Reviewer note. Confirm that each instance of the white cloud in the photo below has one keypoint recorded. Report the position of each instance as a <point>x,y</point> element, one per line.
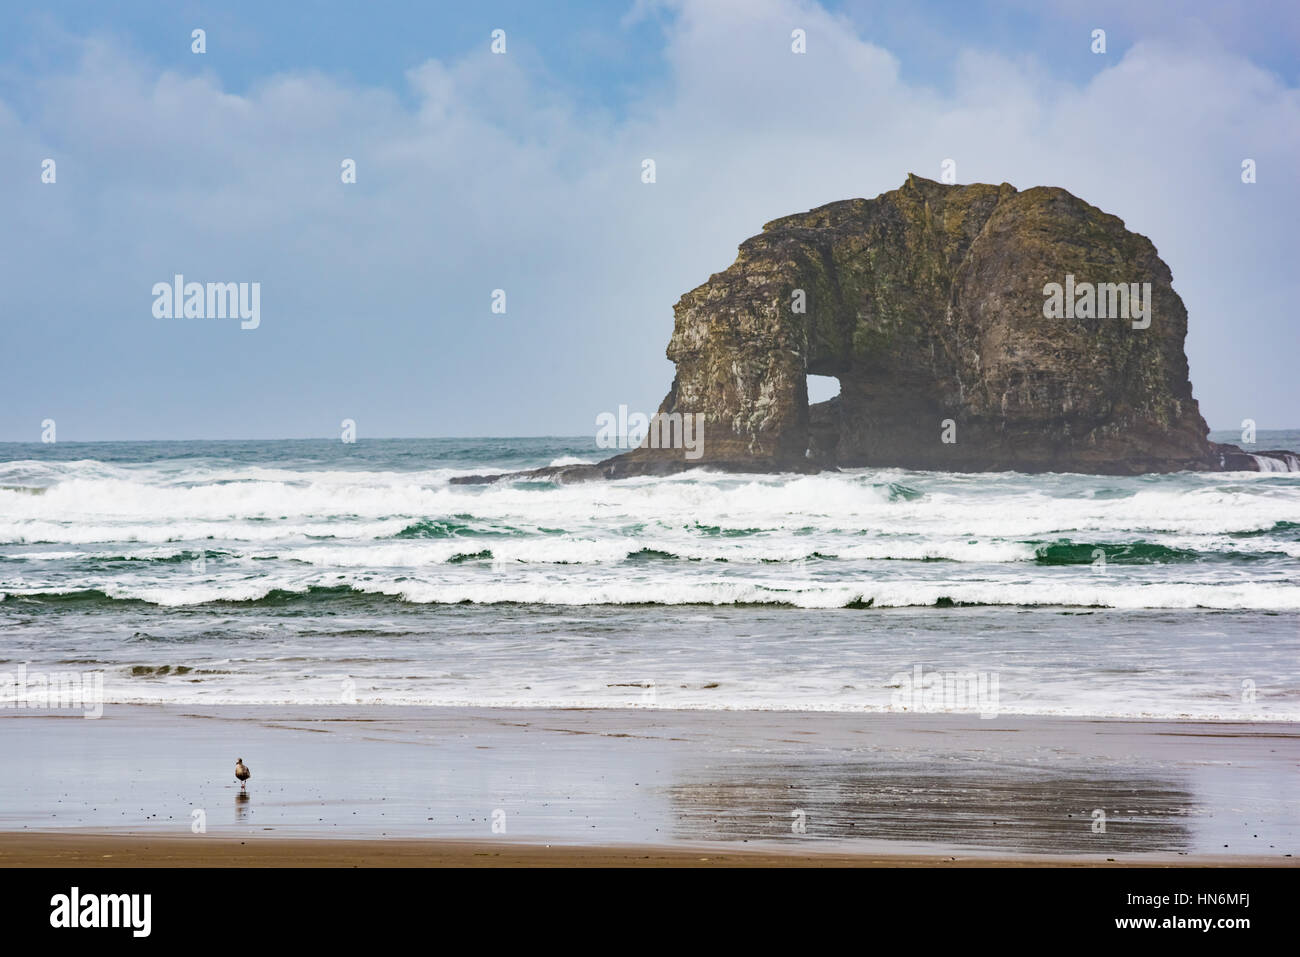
<point>376,295</point>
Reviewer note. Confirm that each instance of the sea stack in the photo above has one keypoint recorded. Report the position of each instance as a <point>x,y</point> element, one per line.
<point>972,328</point>
<point>928,304</point>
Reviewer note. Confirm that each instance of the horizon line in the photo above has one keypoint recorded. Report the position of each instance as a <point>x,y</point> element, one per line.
<point>393,438</point>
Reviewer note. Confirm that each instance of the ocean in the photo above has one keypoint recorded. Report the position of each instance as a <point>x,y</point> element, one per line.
<point>314,571</point>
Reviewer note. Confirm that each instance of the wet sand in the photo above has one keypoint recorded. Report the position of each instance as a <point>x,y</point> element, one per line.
<point>458,786</point>
<point>78,849</point>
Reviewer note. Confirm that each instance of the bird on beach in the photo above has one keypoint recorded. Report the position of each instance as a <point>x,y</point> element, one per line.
<point>242,774</point>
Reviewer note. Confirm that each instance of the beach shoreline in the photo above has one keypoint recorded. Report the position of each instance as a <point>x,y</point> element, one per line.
<point>151,784</point>
<point>113,850</point>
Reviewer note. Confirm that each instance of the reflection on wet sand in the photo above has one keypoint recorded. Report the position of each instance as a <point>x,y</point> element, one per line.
<point>865,783</point>
<point>1006,808</point>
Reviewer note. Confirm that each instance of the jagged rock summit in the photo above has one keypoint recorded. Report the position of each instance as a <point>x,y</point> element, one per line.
<point>933,305</point>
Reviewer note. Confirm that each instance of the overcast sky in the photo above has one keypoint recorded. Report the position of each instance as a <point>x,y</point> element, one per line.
<point>522,172</point>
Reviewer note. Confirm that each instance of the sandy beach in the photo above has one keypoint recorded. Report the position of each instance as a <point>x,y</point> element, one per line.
<point>153,785</point>
<point>89,849</point>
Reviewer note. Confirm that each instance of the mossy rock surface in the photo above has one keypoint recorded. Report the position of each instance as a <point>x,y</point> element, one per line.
<point>927,303</point>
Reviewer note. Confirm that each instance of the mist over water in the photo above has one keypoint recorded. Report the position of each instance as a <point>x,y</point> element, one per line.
<point>271,571</point>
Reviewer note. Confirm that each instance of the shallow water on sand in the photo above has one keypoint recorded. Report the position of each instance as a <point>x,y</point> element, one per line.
<point>798,782</point>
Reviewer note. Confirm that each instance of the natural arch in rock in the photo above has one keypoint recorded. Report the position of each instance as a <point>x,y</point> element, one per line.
<point>927,303</point>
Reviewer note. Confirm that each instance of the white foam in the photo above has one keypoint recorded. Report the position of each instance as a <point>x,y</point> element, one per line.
<point>818,541</point>
<point>1274,596</point>
<point>1268,463</point>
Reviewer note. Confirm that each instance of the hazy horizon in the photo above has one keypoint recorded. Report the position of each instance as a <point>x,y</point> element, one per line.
<point>434,438</point>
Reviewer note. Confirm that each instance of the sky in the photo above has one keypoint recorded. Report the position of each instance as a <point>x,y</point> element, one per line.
<point>522,171</point>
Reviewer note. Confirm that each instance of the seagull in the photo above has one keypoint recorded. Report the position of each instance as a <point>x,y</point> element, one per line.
<point>242,774</point>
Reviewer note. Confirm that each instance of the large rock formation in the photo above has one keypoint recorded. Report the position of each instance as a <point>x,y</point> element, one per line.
<point>927,303</point>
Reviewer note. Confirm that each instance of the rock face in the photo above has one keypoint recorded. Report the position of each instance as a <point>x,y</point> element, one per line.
<point>927,303</point>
